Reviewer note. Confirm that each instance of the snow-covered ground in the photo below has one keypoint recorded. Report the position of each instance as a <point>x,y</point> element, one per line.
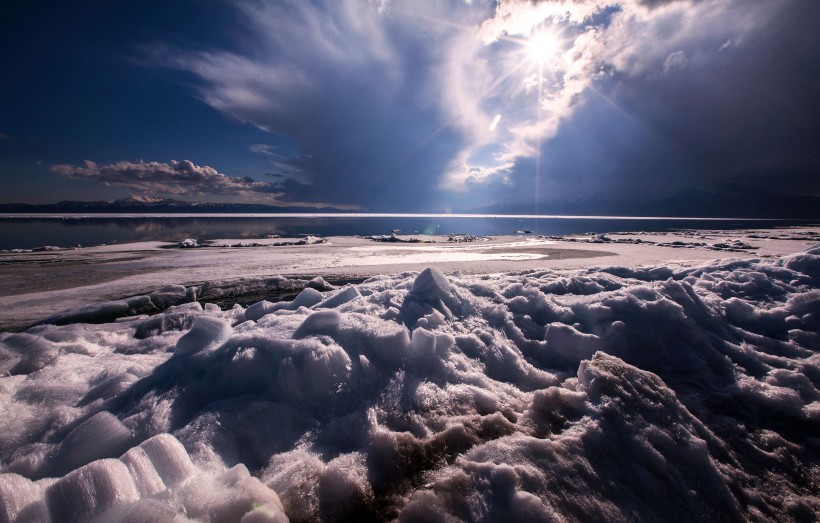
<point>595,379</point>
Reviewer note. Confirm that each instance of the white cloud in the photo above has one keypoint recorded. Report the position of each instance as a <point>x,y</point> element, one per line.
<point>598,38</point>
<point>262,149</point>
<point>175,178</point>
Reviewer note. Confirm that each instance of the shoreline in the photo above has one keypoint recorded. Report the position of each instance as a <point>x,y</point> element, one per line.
<point>37,285</point>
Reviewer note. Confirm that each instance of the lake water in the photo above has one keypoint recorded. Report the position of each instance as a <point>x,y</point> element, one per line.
<point>69,231</point>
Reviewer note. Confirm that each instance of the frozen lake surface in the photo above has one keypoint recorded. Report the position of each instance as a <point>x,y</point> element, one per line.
<point>620,377</point>
<point>19,231</point>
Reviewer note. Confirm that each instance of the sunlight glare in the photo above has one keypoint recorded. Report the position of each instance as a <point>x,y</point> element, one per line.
<point>543,47</point>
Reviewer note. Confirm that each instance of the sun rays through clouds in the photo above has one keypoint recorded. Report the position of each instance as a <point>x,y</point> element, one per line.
<point>455,101</point>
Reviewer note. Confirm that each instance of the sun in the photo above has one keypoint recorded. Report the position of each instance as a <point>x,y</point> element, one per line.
<point>543,47</point>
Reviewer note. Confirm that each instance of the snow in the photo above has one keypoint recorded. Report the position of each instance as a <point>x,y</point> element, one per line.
<point>615,392</point>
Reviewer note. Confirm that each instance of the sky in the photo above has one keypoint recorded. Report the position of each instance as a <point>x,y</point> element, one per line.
<point>406,105</point>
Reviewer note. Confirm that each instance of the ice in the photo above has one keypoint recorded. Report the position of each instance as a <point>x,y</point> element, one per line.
<point>154,481</point>
<point>103,312</point>
<point>307,298</point>
<point>27,353</point>
<point>21,500</point>
<point>90,490</point>
<point>171,295</point>
<point>205,331</point>
<point>232,496</point>
<point>159,463</point>
<point>188,243</point>
<point>142,511</point>
<point>259,309</point>
<point>320,284</point>
<point>431,284</point>
<point>321,322</point>
<point>600,394</point>
<point>345,295</point>
<point>100,436</point>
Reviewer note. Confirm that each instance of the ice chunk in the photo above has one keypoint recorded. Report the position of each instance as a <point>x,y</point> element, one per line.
<point>383,342</point>
<point>145,476</point>
<point>807,263</point>
<point>307,298</point>
<point>8,360</point>
<point>431,284</point>
<point>104,312</point>
<point>321,322</point>
<point>169,458</point>
<point>188,243</point>
<point>345,295</point>
<point>110,387</point>
<point>320,284</point>
<point>100,436</point>
<point>565,343</point>
<point>158,463</point>
<point>179,317</point>
<point>206,330</point>
<point>232,496</point>
<point>88,491</point>
<point>148,510</point>
<point>35,352</point>
<point>169,295</point>
<point>429,352</point>
<point>314,372</point>
<point>21,500</point>
<point>258,309</point>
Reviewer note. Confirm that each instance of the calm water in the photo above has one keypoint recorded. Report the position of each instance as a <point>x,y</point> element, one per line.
<point>18,232</point>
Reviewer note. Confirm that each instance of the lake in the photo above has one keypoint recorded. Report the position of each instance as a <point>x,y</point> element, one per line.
<point>87,230</point>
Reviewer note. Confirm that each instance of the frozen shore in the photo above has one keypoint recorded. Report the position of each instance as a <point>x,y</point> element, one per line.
<point>600,378</point>
<point>37,285</point>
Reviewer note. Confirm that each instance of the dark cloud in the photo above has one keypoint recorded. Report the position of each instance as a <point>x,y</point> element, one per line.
<point>355,87</point>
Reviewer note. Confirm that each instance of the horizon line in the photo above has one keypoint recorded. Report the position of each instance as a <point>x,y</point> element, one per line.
<point>74,215</point>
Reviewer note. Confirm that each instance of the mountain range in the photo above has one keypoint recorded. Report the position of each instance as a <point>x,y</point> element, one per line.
<point>726,201</point>
<point>153,204</point>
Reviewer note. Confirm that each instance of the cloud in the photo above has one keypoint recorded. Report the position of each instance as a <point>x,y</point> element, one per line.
<point>353,84</point>
<point>598,40</point>
<point>4,136</point>
<point>175,178</point>
<point>286,166</point>
<point>262,149</point>
<point>674,62</point>
<point>392,104</point>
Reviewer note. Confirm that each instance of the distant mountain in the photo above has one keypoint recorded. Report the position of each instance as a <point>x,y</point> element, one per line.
<point>152,204</point>
<point>735,200</point>
<point>725,201</point>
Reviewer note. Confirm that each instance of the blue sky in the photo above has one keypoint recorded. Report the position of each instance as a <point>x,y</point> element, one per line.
<point>406,105</point>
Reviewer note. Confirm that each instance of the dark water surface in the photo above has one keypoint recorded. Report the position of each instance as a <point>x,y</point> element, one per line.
<point>31,232</point>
